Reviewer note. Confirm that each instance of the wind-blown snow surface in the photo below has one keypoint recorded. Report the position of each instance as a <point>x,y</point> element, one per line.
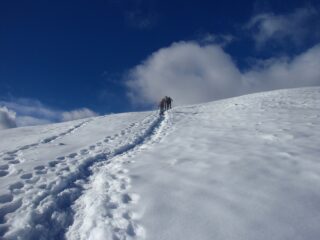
<point>242,168</point>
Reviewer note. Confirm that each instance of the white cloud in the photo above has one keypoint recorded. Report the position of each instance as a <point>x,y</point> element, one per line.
<point>294,27</point>
<point>7,118</point>
<point>78,114</point>
<point>186,71</point>
<point>302,70</point>
<point>31,107</point>
<point>31,112</point>
<point>191,73</point>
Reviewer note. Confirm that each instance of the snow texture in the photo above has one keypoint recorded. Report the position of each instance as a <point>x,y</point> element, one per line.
<point>241,168</point>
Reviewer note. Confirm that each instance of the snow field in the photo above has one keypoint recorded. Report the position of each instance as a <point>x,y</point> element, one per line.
<point>244,168</point>
<point>46,214</point>
<point>241,168</point>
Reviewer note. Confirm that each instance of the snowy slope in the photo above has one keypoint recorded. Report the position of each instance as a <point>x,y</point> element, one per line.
<point>241,168</point>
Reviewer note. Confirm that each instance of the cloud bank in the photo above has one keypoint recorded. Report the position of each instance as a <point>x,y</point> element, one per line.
<point>299,71</point>
<point>188,72</point>
<point>193,73</point>
<point>295,27</point>
<point>7,118</point>
<point>30,112</point>
<point>201,71</point>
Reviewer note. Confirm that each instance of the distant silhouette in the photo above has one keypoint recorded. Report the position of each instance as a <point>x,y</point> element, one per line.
<point>168,102</point>
<point>165,104</point>
<point>162,106</point>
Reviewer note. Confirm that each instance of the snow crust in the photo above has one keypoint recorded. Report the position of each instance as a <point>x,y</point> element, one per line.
<point>241,168</point>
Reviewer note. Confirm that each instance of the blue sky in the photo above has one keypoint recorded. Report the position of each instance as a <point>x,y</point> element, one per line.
<point>117,56</point>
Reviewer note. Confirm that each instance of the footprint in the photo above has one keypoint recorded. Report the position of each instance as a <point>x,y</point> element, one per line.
<point>8,158</point>
<point>12,152</point>
<point>127,215</point>
<point>114,177</point>
<point>4,167</point>
<point>33,180</point>
<point>24,147</point>
<point>83,151</point>
<point>131,230</point>
<point>26,176</point>
<point>17,185</point>
<point>72,155</point>
<point>40,172</point>
<point>92,147</point>
<point>49,139</point>
<point>40,167</point>
<point>9,208</point>
<point>126,198</point>
<point>112,205</point>
<point>14,162</point>
<point>134,230</point>
<point>53,163</point>
<point>60,158</point>
<point>3,173</point>
<point>123,186</point>
<point>106,140</point>
<point>5,198</point>
<point>42,186</point>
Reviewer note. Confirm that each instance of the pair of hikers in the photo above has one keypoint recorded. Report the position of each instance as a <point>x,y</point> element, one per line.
<point>165,104</point>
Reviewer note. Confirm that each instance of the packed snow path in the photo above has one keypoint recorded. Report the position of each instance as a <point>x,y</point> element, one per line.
<point>46,214</point>
<point>244,168</point>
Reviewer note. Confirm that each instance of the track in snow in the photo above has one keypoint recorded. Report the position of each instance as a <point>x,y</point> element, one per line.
<point>14,157</point>
<point>48,213</point>
<point>104,209</point>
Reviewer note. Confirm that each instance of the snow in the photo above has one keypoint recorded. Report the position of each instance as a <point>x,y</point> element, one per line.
<point>240,168</point>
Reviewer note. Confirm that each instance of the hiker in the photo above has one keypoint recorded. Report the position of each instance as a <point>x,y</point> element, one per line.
<point>168,102</point>
<point>162,106</point>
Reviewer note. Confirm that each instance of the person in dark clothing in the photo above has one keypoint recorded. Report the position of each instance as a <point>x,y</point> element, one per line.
<point>168,102</point>
<point>162,106</point>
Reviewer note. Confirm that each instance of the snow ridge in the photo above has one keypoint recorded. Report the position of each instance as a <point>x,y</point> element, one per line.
<point>47,214</point>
